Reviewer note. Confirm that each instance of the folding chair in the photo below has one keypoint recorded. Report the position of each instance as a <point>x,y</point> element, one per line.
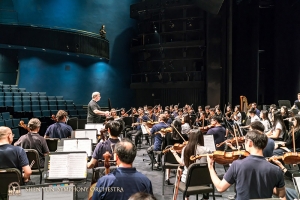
<point>33,155</point>
<point>198,181</point>
<point>8,176</point>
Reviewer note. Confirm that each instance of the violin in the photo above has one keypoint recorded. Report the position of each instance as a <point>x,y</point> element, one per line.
<point>204,129</point>
<point>177,147</point>
<point>223,157</point>
<point>106,157</point>
<point>150,124</point>
<point>166,130</point>
<point>53,118</point>
<point>23,125</point>
<point>241,140</point>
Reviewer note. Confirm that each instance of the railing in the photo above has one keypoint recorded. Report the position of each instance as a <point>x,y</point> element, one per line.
<point>167,77</point>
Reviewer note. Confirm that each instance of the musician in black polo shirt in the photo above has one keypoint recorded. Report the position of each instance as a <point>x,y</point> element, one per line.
<point>94,110</point>
<point>12,156</point>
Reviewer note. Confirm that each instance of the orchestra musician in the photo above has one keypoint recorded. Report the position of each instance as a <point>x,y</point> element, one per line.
<point>186,125</point>
<point>114,129</point>
<point>175,112</point>
<point>157,140</point>
<point>134,113</point>
<point>207,113</point>
<point>296,101</point>
<point>138,131</point>
<point>179,116</point>
<point>94,111</point>
<point>125,178</point>
<point>13,156</point>
<point>265,120</point>
<point>228,114</point>
<point>150,115</point>
<point>123,113</point>
<point>32,140</point>
<point>237,116</point>
<point>279,129</point>
<point>272,109</point>
<point>167,114</point>
<point>254,106</point>
<point>59,129</point>
<point>195,146</point>
<point>288,143</point>
<point>254,177</point>
<point>217,130</point>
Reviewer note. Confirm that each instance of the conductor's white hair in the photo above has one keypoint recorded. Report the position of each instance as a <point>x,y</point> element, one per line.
<point>95,94</point>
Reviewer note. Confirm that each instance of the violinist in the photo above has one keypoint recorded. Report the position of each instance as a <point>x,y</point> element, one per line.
<point>32,140</point>
<point>254,177</point>
<point>113,114</point>
<point>114,129</point>
<point>180,114</point>
<point>159,110</point>
<point>186,125</point>
<point>167,114</point>
<point>59,129</point>
<point>175,111</point>
<point>157,140</point>
<point>125,180</point>
<point>289,141</point>
<point>254,106</point>
<point>207,113</point>
<point>134,113</point>
<point>146,109</point>
<point>237,116</point>
<point>218,112</point>
<point>217,130</point>
<point>123,113</point>
<point>195,146</point>
<point>138,131</point>
<point>228,114</point>
<point>171,108</point>
<point>278,130</point>
<point>174,137</point>
<point>150,115</point>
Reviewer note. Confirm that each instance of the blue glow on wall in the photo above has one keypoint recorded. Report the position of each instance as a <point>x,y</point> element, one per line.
<point>47,72</point>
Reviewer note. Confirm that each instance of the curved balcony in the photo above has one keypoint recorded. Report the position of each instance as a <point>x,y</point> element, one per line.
<point>54,39</point>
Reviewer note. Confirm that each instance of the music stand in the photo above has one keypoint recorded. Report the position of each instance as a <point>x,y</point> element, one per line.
<point>129,120</point>
<point>298,105</point>
<point>286,103</point>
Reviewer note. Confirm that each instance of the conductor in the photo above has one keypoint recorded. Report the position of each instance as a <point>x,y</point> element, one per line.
<point>94,110</point>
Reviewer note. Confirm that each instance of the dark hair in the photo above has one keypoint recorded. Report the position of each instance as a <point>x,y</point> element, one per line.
<point>125,152</point>
<point>278,119</point>
<point>168,111</point>
<point>212,109</point>
<point>122,109</point>
<point>285,111</point>
<point>238,107</point>
<point>195,137</point>
<point>217,118</point>
<point>177,125</point>
<point>254,103</point>
<point>264,114</point>
<point>258,138</point>
<point>207,107</point>
<point>180,110</point>
<point>199,107</point>
<point>257,125</point>
<point>115,127</point>
<point>142,196</point>
<point>252,111</point>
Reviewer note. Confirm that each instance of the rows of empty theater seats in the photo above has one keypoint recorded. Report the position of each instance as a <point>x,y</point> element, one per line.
<point>13,123</point>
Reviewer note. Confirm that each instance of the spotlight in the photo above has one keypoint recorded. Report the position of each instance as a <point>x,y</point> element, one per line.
<point>154,28</point>
<point>189,24</point>
<point>171,24</point>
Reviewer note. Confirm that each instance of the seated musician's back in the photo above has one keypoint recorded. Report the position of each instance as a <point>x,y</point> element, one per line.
<point>114,129</point>
<point>59,129</point>
<point>125,180</point>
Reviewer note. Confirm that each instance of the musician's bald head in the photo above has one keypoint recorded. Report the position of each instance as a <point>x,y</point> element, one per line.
<point>126,151</point>
<point>5,133</point>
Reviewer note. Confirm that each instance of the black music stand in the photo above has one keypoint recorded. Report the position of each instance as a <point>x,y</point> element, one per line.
<point>129,120</point>
<point>286,103</point>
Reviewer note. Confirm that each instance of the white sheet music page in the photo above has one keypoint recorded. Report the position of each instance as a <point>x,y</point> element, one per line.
<point>59,192</point>
<point>77,165</point>
<point>209,142</point>
<point>297,180</point>
<point>28,194</point>
<point>91,134</point>
<point>80,134</point>
<point>85,145</point>
<point>58,166</point>
<point>70,145</point>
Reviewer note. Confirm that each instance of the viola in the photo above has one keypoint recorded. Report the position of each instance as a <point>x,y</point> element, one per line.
<point>223,157</point>
<point>204,129</point>
<point>288,158</point>
<point>177,147</point>
<point>23,125</point>
<point>166,130</point>
<point>150,124</point>
<point>241,140</point>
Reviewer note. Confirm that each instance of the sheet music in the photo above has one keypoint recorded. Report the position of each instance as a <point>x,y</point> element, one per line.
<point>85,145</point>
<point>209,142</point>
<point>59,193</point>
<point>91,134</point>
<point>297,181</point>
<point>77,165</point>
<point>58,166</point>
<point>144,129</point>
<point>28,195</point>
<point>70,145</point>
<point>99,126</point>
<point>80,134</point>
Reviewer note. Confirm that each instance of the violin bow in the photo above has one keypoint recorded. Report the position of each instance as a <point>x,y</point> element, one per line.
<point>176,131</point>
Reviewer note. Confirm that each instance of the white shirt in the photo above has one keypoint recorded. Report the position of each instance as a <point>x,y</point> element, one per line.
<point>255,118</point>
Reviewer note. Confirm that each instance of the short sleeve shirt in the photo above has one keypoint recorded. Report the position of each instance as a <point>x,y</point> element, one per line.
<point>59,130</point>
<point>91,116</point>
<point>12,157</point>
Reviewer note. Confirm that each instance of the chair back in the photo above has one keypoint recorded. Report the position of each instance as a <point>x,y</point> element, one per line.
<point>198,174</point>
<point>52,144</point>
<point>169,157</point>
<point>8,176</point>
<point>33,155</point>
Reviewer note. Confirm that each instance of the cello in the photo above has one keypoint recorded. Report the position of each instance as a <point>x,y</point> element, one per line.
<point>92,188</point>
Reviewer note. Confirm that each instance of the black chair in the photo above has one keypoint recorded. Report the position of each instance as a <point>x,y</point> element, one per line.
<point>8,176</point>
<point>169,162</point>
<point>33,155</point>
<point>52,144</point>
<point>198,181</point>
